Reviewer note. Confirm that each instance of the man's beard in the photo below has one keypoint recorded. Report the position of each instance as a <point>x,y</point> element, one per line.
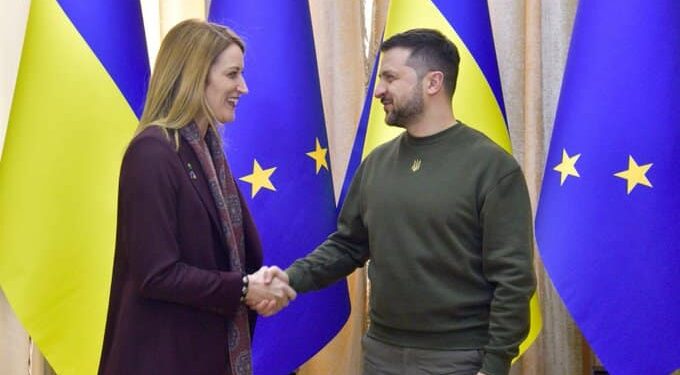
<point>408,113</point>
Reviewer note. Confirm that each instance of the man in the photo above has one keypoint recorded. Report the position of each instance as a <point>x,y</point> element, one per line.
<point>443,214</point>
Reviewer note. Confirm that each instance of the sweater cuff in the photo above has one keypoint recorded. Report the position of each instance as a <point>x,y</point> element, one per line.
<point>495,364</point>
<point>294,278</point>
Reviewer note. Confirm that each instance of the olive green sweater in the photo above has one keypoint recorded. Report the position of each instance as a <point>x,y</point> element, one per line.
<point>446,223</point>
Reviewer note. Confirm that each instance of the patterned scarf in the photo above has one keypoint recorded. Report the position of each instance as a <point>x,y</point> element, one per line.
<point>225,195</point>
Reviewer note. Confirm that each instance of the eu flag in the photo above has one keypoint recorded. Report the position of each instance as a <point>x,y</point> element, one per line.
<point>608,225</point>
<point>278,151</point>
<point>81,84</point>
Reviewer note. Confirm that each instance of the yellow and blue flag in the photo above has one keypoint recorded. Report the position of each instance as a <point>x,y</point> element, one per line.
<point>80,86</point>
<point>278,151</point>
<point>608,224</point>
<point>478,100</point>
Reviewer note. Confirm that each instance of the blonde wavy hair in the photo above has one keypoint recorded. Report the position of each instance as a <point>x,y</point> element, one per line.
<point>176,94</point>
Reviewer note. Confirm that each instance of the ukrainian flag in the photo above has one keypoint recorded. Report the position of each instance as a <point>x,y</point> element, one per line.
<point>608,223</point>
<point>80,85</point>
<point>478,100</point>
<point>278,151</point>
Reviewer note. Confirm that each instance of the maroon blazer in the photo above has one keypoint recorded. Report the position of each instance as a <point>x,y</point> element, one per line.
<point>172,291</point>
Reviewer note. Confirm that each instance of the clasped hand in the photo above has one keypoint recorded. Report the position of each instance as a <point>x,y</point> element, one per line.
<point>268,291</point>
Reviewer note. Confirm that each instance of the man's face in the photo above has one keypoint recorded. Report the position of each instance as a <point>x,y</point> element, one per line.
<point>399,89</point>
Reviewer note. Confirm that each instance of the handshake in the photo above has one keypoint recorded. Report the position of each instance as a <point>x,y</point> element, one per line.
<point>268,291</point>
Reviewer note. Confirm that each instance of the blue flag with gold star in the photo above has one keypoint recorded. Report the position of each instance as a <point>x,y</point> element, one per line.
<point>608,224</point>
<point>278,152</point>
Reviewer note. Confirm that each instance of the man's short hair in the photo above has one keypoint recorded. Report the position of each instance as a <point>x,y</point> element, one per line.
<point>430,51</point>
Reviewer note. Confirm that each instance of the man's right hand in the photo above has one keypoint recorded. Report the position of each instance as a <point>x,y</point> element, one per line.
<point>268,291</point>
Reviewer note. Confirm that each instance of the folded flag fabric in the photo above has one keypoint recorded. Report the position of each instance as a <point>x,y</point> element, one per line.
<point>608,223</point>
<point>278,151</point>
<point>81,83</point>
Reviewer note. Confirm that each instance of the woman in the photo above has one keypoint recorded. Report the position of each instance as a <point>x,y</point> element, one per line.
<point>187,250</point>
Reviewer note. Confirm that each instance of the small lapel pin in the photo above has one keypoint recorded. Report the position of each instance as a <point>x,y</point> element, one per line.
<point>192,174</point>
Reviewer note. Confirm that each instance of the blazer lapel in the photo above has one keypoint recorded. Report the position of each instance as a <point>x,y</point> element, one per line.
<point>194,171</point>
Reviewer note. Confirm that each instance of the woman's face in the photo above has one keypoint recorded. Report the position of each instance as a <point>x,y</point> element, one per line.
<point>226,83</point>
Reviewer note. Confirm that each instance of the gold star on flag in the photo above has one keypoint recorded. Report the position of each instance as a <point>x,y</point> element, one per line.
<point>567,167</point>
<point>319,155</point>
<point>259,178</point>
<point>635,174</point>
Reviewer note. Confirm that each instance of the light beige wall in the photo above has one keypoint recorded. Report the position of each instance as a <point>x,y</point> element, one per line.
<point>161,15</point>
<point>13,16</point>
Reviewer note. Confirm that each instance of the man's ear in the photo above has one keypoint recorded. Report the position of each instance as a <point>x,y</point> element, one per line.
<point>434,82</point>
